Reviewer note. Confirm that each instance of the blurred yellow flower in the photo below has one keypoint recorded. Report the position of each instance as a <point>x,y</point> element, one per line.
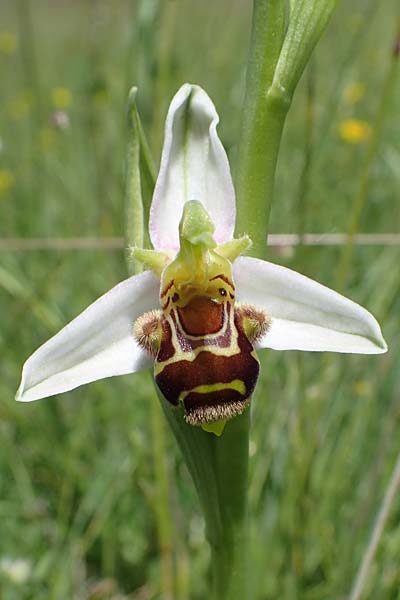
<point>354,131</point>
<point>8,42</point>
<point>354,92</point>
<point>61,97</point>
<point>362,388</point>
<point>21,105</point>
<point>7,181</point>
<point>46,138</point>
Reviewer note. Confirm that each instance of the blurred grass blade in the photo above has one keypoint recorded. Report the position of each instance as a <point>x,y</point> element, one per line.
<point>361,196</point>
<point>139,163</point>
<point>134,216</point>
<point>147,165</point>
<point>21,291</point>
<point>332,101</point>
<point>305,175</point>
<point>165,42</point>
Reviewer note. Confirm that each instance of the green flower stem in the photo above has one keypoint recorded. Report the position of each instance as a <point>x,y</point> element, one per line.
<point>219,469</point>
<point>276,63</point>
<point>263,118</point>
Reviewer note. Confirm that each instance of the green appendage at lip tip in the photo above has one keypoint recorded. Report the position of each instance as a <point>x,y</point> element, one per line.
<point>217,427</point>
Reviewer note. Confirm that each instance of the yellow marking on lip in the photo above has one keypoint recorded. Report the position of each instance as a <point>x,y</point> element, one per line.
<point>237,385</point>
<point>192,355</point>
<point>167,288</point>
<point>225,279</point>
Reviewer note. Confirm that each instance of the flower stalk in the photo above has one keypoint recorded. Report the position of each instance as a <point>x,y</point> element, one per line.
<point>219,469</point>
<point>263,118</point>
<point>277,59</point>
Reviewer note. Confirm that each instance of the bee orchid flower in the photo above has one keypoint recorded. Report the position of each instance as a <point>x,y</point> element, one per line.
<point>201,310</point>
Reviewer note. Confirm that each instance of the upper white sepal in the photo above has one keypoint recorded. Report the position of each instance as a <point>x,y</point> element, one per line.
<point>194,166</point>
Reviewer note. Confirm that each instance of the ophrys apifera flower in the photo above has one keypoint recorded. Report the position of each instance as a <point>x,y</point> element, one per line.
<point>200,310</point>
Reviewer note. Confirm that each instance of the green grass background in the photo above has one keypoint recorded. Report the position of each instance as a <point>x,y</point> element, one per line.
<point>77,484</point>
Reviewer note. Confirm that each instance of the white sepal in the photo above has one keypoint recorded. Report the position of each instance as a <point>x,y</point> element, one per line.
<point>305,315</point>
<point>194,166</point>
<point>96,344</point>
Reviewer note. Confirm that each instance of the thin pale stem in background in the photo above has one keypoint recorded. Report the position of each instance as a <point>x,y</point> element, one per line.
<point>376,535</point>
